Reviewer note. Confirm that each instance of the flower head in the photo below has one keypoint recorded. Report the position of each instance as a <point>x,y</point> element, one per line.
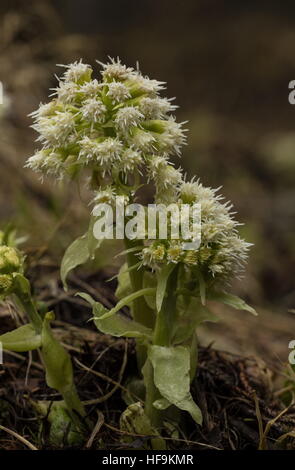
<point>221,255</point>
<point>10,260</point>
<point>98,125</point>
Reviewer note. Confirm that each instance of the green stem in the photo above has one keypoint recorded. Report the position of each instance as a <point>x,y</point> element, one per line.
<point>152,394</point>
<point>164,329</point>
<point>165,322</point>
<point>140,310</point>
<point>28,306</point>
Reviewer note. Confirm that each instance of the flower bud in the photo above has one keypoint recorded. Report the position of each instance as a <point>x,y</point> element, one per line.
<point>10,260</point>
<point>6,284</point>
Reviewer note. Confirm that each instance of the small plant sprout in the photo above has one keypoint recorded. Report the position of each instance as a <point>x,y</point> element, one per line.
<point>122,133</point>
<point>37,334</point>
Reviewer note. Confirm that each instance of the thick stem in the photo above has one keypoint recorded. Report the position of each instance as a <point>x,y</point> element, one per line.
<point>164,329</point>
<point>165,322</point>
<point>140,310</point>
<point>152,394</point>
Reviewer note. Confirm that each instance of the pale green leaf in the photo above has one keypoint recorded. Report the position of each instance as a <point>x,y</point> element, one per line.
<point>58,364</point>
<point>116,325</point>
<point>127,301</point>
<point>22,339</point>
<point>231,300</point>
<point>124,285</point>
<point>172,377</point>
<point>79,252</point>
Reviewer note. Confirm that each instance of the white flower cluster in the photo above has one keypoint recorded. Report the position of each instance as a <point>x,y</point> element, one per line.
<point>117,124</point>
<point>119,128</point>
<point>221,254</point>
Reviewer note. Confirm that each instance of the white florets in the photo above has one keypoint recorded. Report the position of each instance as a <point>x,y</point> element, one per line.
<point>142,140</point>
<point>91,89</point>
<point>76,71</point>
<point>36,161</point>
<point>173,138</point>
<point>104,152</point>
<point>131,160</point>
<point>104,196</point>
<point>44,110</point>
<point>66,92</point>
<point>127,118</point>
<point>55,130</point>
<point>93,110</point>
<point>115,70</point>
<point>145,85</point>
<point>156,108</point>
<point>118,92</point>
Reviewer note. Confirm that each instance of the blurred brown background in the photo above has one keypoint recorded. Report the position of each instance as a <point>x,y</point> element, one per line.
<point>229,64</point>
